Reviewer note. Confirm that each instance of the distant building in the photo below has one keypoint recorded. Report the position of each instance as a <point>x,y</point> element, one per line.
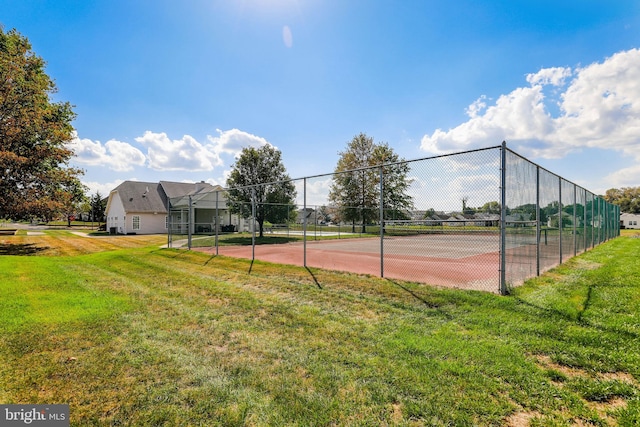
<point>313,216</point>
<point>136,207</point>
<point>629,220</point>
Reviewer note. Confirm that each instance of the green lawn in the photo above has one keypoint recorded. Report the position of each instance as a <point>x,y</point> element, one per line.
<point>138,335</point>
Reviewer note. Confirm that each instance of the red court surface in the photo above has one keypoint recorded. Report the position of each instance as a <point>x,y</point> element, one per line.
<point>466,262</point>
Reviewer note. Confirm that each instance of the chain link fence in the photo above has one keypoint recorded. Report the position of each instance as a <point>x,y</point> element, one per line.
<point>486,219</point>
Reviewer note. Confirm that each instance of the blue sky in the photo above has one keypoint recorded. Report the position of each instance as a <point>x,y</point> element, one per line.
<point>172,90</point>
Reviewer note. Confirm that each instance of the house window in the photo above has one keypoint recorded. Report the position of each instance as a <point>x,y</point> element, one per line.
<point>166,222</point>
<point>136,222</point>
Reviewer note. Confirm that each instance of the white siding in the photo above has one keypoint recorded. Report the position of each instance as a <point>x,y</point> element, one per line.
<point>630,221</point>
<point>123,221</point>
<point>149,223</point>
<point>116,214</point>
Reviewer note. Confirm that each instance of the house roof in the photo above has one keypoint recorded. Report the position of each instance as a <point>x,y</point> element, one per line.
<point>201,194</point>
<point>138,196</point>
<point>487,216</point>
<point>179,189</point>
<point>440,216</point>
<point>306,212</point>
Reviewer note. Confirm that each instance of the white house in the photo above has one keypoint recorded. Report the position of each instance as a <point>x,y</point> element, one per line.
<point>629,220</point>
<point>136,207</point>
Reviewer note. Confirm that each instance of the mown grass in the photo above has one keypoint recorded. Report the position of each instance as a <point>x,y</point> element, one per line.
<point>148,336</point>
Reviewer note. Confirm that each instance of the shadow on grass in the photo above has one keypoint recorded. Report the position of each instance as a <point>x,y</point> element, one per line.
<point>210,259</point>
<point>21,249</point>
<point>429,304</point>
<point>179,252</point>
<point>315,279</point>
<point>577,320</point>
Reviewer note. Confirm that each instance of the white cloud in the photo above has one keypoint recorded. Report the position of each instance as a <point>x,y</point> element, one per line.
<point>163,153</point>
<point>627,177</point>
<point>317,191</point>
<point>287,36</point>
<point>186,153</point>
<point>600,108</point>
<point>104,188</point>
<point>477,107</point>
<point>123,155</point>
<point>549,76</point>
<point>233,141</point>
<point>116,155</point>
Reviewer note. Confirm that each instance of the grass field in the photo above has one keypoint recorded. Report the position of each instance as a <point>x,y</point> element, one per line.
<point>127,333</point>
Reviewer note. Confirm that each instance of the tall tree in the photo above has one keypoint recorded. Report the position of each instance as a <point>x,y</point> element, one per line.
<point>628,198</point>
<point>98,207</point>
<point>258,176</point>
<point>35,179</point>
<point>356,183</point>
<point>493,207</point>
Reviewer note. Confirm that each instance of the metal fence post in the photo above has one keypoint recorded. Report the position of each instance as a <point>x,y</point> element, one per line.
<point>189,223</point>
<point>607,212</point>
<point>381,173</point>
<point>584,220</point>
<point>603,214</point>
<point>304,223</point>
<point>503,217</point>
<point>253,225</point>
<point>217,221</point>
<point>538,222</point>
<point>575,217</point>
<point>601,223</point>
<point>560,217</point>
<point>593,219</point>
<point>599,240</point>
<point>169,236</point>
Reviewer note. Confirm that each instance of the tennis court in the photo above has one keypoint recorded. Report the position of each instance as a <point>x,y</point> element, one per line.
<point>485,219</point>
<point>468,261</point>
